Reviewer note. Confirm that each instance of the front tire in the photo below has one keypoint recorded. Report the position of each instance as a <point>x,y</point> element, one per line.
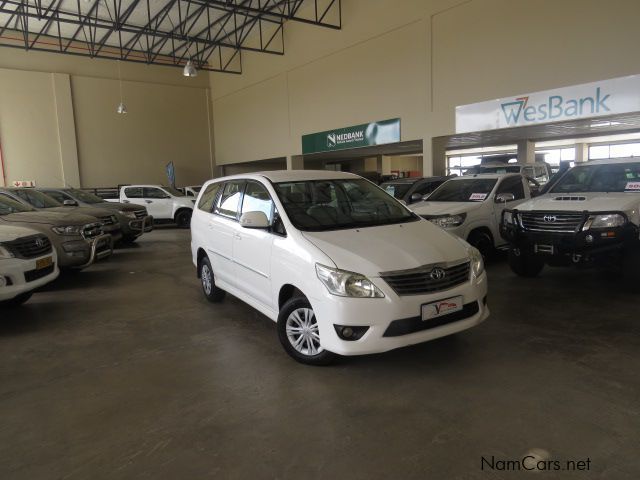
<point>183,218</point>
<point>525,264</point>
<point>483,241</point>
<point>299,334</point>
<point>16,301</point>
<point>209,288</point>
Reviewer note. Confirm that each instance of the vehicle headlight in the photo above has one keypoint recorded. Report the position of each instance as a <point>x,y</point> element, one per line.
<point>5,252</point>
<point>127,214</point>
<point>347,284</point>
<point>507,217</point>
<point>609,220</point>
<point>477,264</point>
<point>447,221</point>
<point>68,230</point>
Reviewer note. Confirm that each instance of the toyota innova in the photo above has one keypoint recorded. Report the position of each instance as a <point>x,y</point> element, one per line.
<point>340,265</point>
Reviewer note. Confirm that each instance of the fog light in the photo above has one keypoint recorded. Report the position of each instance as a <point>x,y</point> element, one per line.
<point>350,333</point>
<point>589,238</point>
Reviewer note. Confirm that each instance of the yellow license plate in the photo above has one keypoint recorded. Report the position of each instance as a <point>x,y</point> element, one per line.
<point>44,263</point>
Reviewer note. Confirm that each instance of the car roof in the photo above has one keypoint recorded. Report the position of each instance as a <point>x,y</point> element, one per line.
<point>483,175</point>
<point>609,161</point>
<point>278,176</point>
<point>417,179</point>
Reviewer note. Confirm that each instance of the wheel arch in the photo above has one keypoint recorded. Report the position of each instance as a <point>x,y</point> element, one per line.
<point>199,256</point>
<point>287,292</point>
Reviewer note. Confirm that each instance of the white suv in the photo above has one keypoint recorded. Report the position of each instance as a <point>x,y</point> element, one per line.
<point>27,261</point>
<point>289,243</point>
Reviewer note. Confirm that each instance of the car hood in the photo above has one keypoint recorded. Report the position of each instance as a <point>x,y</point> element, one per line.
<point>94,212</point>
<point>444,208</point>
<point>185,201</point>
<point>48,218</point>
<point>372,250</point>
<point>579,202</point>
<point>9,232</point>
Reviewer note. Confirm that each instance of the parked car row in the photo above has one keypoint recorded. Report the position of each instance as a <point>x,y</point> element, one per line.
<point>40,235</point>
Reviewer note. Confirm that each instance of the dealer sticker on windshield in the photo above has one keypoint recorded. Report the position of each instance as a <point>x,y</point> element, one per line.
<point>632,187</point>
<point>478,197</point>
<point>441,307</point>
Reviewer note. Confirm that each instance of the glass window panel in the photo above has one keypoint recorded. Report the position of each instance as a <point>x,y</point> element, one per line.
<point>598,151</point>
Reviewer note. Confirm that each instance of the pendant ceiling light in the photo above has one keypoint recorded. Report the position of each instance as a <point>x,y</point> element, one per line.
<point>189,70</point>
<point>122,108</point>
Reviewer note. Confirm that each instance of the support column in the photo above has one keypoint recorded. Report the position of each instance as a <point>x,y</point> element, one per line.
<point>295,162</point>
<point>65,121</point>
<point>436,162</point>
<point>526,151</point>
<point>582,152</point>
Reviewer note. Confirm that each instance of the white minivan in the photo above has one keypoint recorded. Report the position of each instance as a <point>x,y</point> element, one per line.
<point>340,265</point>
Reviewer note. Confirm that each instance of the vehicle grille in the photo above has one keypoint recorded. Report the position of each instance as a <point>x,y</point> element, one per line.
<point>30,247</point>
<point>140,213</point>
<point>109,220</point>
<point>419,280</point>
<point>92,230</point>
<point>33,275</point>
<point>551,221</point>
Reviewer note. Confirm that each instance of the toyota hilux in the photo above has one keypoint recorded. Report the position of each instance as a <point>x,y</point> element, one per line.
<point>591,216</point>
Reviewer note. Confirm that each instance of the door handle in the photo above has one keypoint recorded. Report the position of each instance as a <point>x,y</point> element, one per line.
<point>148,201</point>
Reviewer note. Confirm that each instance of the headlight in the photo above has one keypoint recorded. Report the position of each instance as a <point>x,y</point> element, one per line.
<point>68,230</point>
<point>127,214</point>
<point>609,220</point>
<point>507,217</point>
<point>477,264</point>
<point>347,284</point>
<point>5,253</point>
<point>447,221</point>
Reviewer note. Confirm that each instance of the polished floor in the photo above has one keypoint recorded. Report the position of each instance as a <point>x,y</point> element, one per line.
<point>125,371</point>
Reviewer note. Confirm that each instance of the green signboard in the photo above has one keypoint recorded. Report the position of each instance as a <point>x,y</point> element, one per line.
<point>365,135</point>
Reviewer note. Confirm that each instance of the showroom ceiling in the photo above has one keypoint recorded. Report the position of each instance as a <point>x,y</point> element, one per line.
<point>213,34</point>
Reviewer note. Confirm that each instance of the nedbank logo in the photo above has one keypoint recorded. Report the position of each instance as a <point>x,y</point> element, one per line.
<point>331,140</point>
<point>334,139</point>
<point>555,107</point>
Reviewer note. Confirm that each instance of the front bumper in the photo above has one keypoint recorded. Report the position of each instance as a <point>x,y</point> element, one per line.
<point>114,230</point>
<point>394,321</point>
<point>21,276</point>
<point>132,228</point>
<point>80,253</point>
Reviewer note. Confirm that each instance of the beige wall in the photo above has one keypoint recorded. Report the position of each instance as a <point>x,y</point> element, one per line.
<point>58,123</point>
<point>416,60</point>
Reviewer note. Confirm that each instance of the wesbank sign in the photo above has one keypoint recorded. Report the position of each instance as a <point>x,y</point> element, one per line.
<point>365,135</point>
<point>619,95</point>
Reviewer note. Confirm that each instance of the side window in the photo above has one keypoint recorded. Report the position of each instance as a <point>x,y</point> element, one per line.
<point>154,193</point>
<point>208,197</point>
<point>512,185</point>
<point>133,192</point>
<point>257,199</point>
<point>59,196</point>
<point>229,201</point>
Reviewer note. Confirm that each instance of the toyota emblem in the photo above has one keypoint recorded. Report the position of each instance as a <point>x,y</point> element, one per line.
<point>437,274</point>
<point>550,218</point>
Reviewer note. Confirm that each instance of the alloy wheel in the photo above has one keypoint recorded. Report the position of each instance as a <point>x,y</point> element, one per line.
<point>302,332</point>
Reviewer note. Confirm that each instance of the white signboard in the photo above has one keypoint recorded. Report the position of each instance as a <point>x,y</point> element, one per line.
<point>23,183</point>
<point>608,97</point>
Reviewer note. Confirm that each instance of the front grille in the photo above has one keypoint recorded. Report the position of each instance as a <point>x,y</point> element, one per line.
<point>551,221</point>
<point>110,220</point>
<point>30,247</point>
<point>420,280</point>
<point>140,213</point>
<point>33,275</point>
<point>92,230</point>
<point>405,326</point>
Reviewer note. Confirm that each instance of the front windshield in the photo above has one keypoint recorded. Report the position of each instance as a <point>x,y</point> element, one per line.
<point>8,206</point>
<point>464,190</point>
<point>397,190</point>
<point>85,197</point>
<point>36,199</point>
<point>173,191</point>
<point>319,205</point>
<point>616,177</point>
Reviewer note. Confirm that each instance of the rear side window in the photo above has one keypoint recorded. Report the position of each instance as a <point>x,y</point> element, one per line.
<point>512,185</point>
<point>208,197</point>
<point>229,201</point>
<point>133,192</point>
<point>257,199</point>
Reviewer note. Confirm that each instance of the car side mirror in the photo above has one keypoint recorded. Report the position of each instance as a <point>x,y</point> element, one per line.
<point>70,203</point>
<point>505,197</point>
<point>254,220</point>
<point>415,197</point>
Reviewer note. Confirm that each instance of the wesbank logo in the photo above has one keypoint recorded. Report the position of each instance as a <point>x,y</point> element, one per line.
<point>555,107</point>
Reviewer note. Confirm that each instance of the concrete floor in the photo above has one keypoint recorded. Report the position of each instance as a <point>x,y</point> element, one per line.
<point>125,371</point>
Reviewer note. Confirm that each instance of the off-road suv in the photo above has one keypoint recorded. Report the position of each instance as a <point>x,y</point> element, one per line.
<point>590,216</point>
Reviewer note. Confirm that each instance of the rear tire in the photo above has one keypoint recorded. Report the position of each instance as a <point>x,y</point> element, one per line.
<point>299,335</point>
<point>483,241</point>
<point>525,264</point>
<point>16,301</point>
<point>207,279</point>
<point>183,218</point>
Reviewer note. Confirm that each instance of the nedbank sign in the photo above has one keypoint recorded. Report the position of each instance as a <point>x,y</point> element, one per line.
<point>619,95</point>
<point>365,135</point>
